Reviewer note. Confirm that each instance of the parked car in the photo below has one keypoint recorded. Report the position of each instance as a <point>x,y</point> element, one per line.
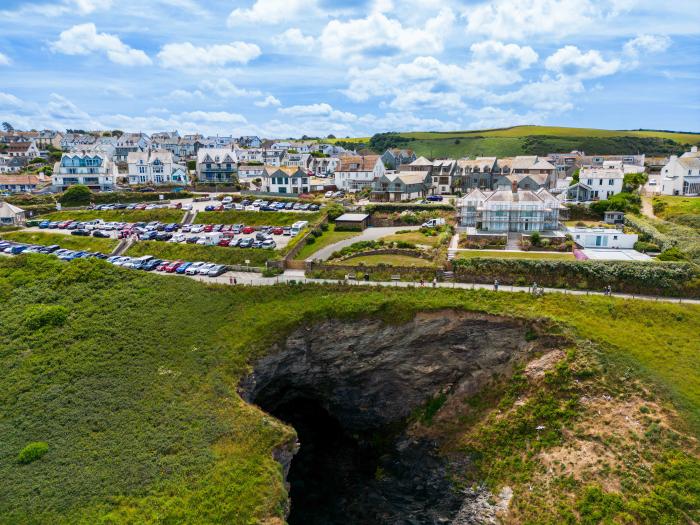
<point>204,269</point>
<point>194,268</point>
<point>235,243</point>
<point>224,242</point>
<point>44,224</point>
<point>96,233</point>
<point>237,228</point>
<point>82,233</point>
<point>269,244</point>
<point>170,268</point>
<point>216,270</point>
<point>245,243</point>
<point>197,228</point>
<point>183,268</point>
<point>209,228</point>
<point>162,236</point>
<point>248,230</point>
<point>328,194</point>
<point>277,231</point>
<point>192,239</point>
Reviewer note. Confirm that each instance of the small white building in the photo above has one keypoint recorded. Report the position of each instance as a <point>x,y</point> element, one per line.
<point>155,167</point>
<point>10,215</point>
<point>357,172</point>
<point>603,238</point>
<point>681,176</point>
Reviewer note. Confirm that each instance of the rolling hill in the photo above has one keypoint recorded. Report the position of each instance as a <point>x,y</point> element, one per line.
<point>532,140</point>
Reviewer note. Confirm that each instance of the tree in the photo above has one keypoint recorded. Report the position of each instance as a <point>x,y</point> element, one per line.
<point>633,181</point>
<point>575,176</point>
<point>76,195</point>
<point>330,136</point>
<point>7,127</point>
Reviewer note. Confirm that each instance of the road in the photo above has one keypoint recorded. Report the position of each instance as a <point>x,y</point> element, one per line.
<point>370,234</point>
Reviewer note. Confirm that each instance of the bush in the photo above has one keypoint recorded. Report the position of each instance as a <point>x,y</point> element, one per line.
<point>672,254</point>
<point>626,202</point>
<point>77,195</point>
<point>32,452</point>
<point>45,315</point>
<point>642,246</point>
<point>535,238</point>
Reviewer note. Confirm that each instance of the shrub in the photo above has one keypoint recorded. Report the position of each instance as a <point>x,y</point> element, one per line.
<point>535,238</point>
<point>672,254</point>
<point>642,246</point>
<point>45,315</point>
<point>32,452</point>
<point>77,195</point>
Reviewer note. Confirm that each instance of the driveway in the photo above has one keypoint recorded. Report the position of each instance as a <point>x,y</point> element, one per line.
<point>370,234</point>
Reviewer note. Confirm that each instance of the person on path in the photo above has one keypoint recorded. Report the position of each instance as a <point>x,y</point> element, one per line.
<point>495,285</point>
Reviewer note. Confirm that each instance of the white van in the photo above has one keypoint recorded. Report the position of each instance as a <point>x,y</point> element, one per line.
<point>298,226</point>
<point>210,239</point>
<point>433,223</point>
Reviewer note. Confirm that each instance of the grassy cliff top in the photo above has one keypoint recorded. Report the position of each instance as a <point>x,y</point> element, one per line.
<point>130,379</point>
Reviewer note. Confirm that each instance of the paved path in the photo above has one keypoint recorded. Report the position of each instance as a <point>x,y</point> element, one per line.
<point>256,279</point>
<point>370,234</point>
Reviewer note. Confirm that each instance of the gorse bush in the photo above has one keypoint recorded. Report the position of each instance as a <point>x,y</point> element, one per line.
<point>32,452</point>
<point>40,315</point>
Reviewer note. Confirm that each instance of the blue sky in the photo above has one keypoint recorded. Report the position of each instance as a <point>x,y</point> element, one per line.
<point>281,68</point>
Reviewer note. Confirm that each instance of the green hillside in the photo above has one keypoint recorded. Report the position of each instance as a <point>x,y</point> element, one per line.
<point>533,140</point>
<point>127,384</point>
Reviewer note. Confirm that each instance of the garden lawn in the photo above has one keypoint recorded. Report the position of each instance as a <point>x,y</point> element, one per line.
<point>414,237</point>
<point>387,259</point>
<point>193,252</point>
<point>256,218</point>
<point>161,215</point>
<point>131,379</point>
<point>496,254</point>
<point>678,206</point>
<point>69,242</point>
<point>328,237</point>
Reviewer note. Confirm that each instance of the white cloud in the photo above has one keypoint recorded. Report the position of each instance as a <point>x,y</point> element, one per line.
<point>492,117</point>
<point>186,55</point>
<point>551,95</point>
<point>225,88</point>
<point>83,39</point>
<point>214,116</point>
<point>268,101</point>
<point>4,60</point>
<point>86,7</point>
<point>569,60</point>
<point>184,94</point>
<point>293,37</point>
<point>270,12</point>
<point>318,110</point>
<point>9,101</point>
<point>378,33</point>
<point>511,55</point>
<point>522,18</point>
<point>647,44</point>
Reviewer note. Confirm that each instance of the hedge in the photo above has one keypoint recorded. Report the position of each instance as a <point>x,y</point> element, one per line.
<point>652,278</point>
<point>406,206</point>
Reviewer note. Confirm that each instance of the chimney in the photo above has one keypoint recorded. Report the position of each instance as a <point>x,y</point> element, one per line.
<point>694,149</point>
<point>514,186</point>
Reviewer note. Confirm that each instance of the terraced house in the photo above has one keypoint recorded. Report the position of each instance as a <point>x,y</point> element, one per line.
<point>131,142</point>
<point>217,165</point>
<point>95,170</point>
<point>358,172</point>
<point>155,167</point>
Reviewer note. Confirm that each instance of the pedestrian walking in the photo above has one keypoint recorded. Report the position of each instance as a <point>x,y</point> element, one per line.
<point>434,282</point>
<point>235,281</point>
<point>495,285</point>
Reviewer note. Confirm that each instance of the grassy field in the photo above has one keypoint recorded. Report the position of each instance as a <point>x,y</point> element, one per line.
<point>162,215</point>
<point>255,218</point>
<point>328,237</point>
<point>390,260</point>
<point>130,378</point>
<point>415,237</point>
<point>194,253</point>
<point>496,254</point>
<point>678,209</point>
<point>69,242</point>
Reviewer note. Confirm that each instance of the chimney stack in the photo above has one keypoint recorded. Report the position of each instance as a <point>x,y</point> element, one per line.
<point>694,149</point>
<point>514,186</point>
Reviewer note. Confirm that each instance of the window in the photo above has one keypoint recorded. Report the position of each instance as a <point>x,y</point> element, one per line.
<point>142,169</point>
<point>611,182</point>
<point>600,182</point>
<point>590,182</point>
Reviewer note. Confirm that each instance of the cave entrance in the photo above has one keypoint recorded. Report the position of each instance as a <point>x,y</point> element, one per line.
<point>330,475</point>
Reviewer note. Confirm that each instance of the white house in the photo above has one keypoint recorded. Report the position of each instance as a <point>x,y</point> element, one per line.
<point>285,180</point>
<point>681,176</point>
<point>603,238</point>
<point>357,172</point>
<point>603,181</point>
<point>28,150</point>
<point>155,167</point>
<point>295,160</point>
<point>95,170</point>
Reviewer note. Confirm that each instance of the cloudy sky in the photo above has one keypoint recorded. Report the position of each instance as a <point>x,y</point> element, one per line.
<point>282,68</point>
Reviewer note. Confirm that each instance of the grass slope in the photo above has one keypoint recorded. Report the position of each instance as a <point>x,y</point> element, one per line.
<point>328,237</point>
<point>70,242</point>
<point>497,254</point>
<point>387,259</point>
<point>162,215</point>
<point>130,379</point>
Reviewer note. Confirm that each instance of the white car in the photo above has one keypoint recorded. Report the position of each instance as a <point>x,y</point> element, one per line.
<point>187,207</point>
<point>197,228</point>
<point>178,237</point>
<point>328,194</point>
<point>204,269</point>
<point>227,200</point>
<point>238,206</point>
<point>193,268</point>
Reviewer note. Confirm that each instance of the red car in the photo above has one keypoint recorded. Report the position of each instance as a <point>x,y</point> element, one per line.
<point>277,231</point>
<point>248,229</point>
<point>224,242</point>
<point>162,266</point>
<point>173,266</point>
<point>64,224</point>
<point>208,228</point>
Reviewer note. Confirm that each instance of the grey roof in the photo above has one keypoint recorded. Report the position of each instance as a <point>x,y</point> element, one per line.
<point>352,217</point>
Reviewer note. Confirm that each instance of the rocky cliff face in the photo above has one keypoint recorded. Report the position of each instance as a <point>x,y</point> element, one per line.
<point>349,388</point>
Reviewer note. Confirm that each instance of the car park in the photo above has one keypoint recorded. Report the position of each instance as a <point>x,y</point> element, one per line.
<point>277,231</point>
<point>148,236</point>
<point>151,265</point>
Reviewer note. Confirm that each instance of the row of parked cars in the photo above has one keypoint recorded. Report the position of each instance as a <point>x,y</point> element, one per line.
<point>135,206</point>
<point>262,205</point>
<point>149,263</point>
<point>146,262</point>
